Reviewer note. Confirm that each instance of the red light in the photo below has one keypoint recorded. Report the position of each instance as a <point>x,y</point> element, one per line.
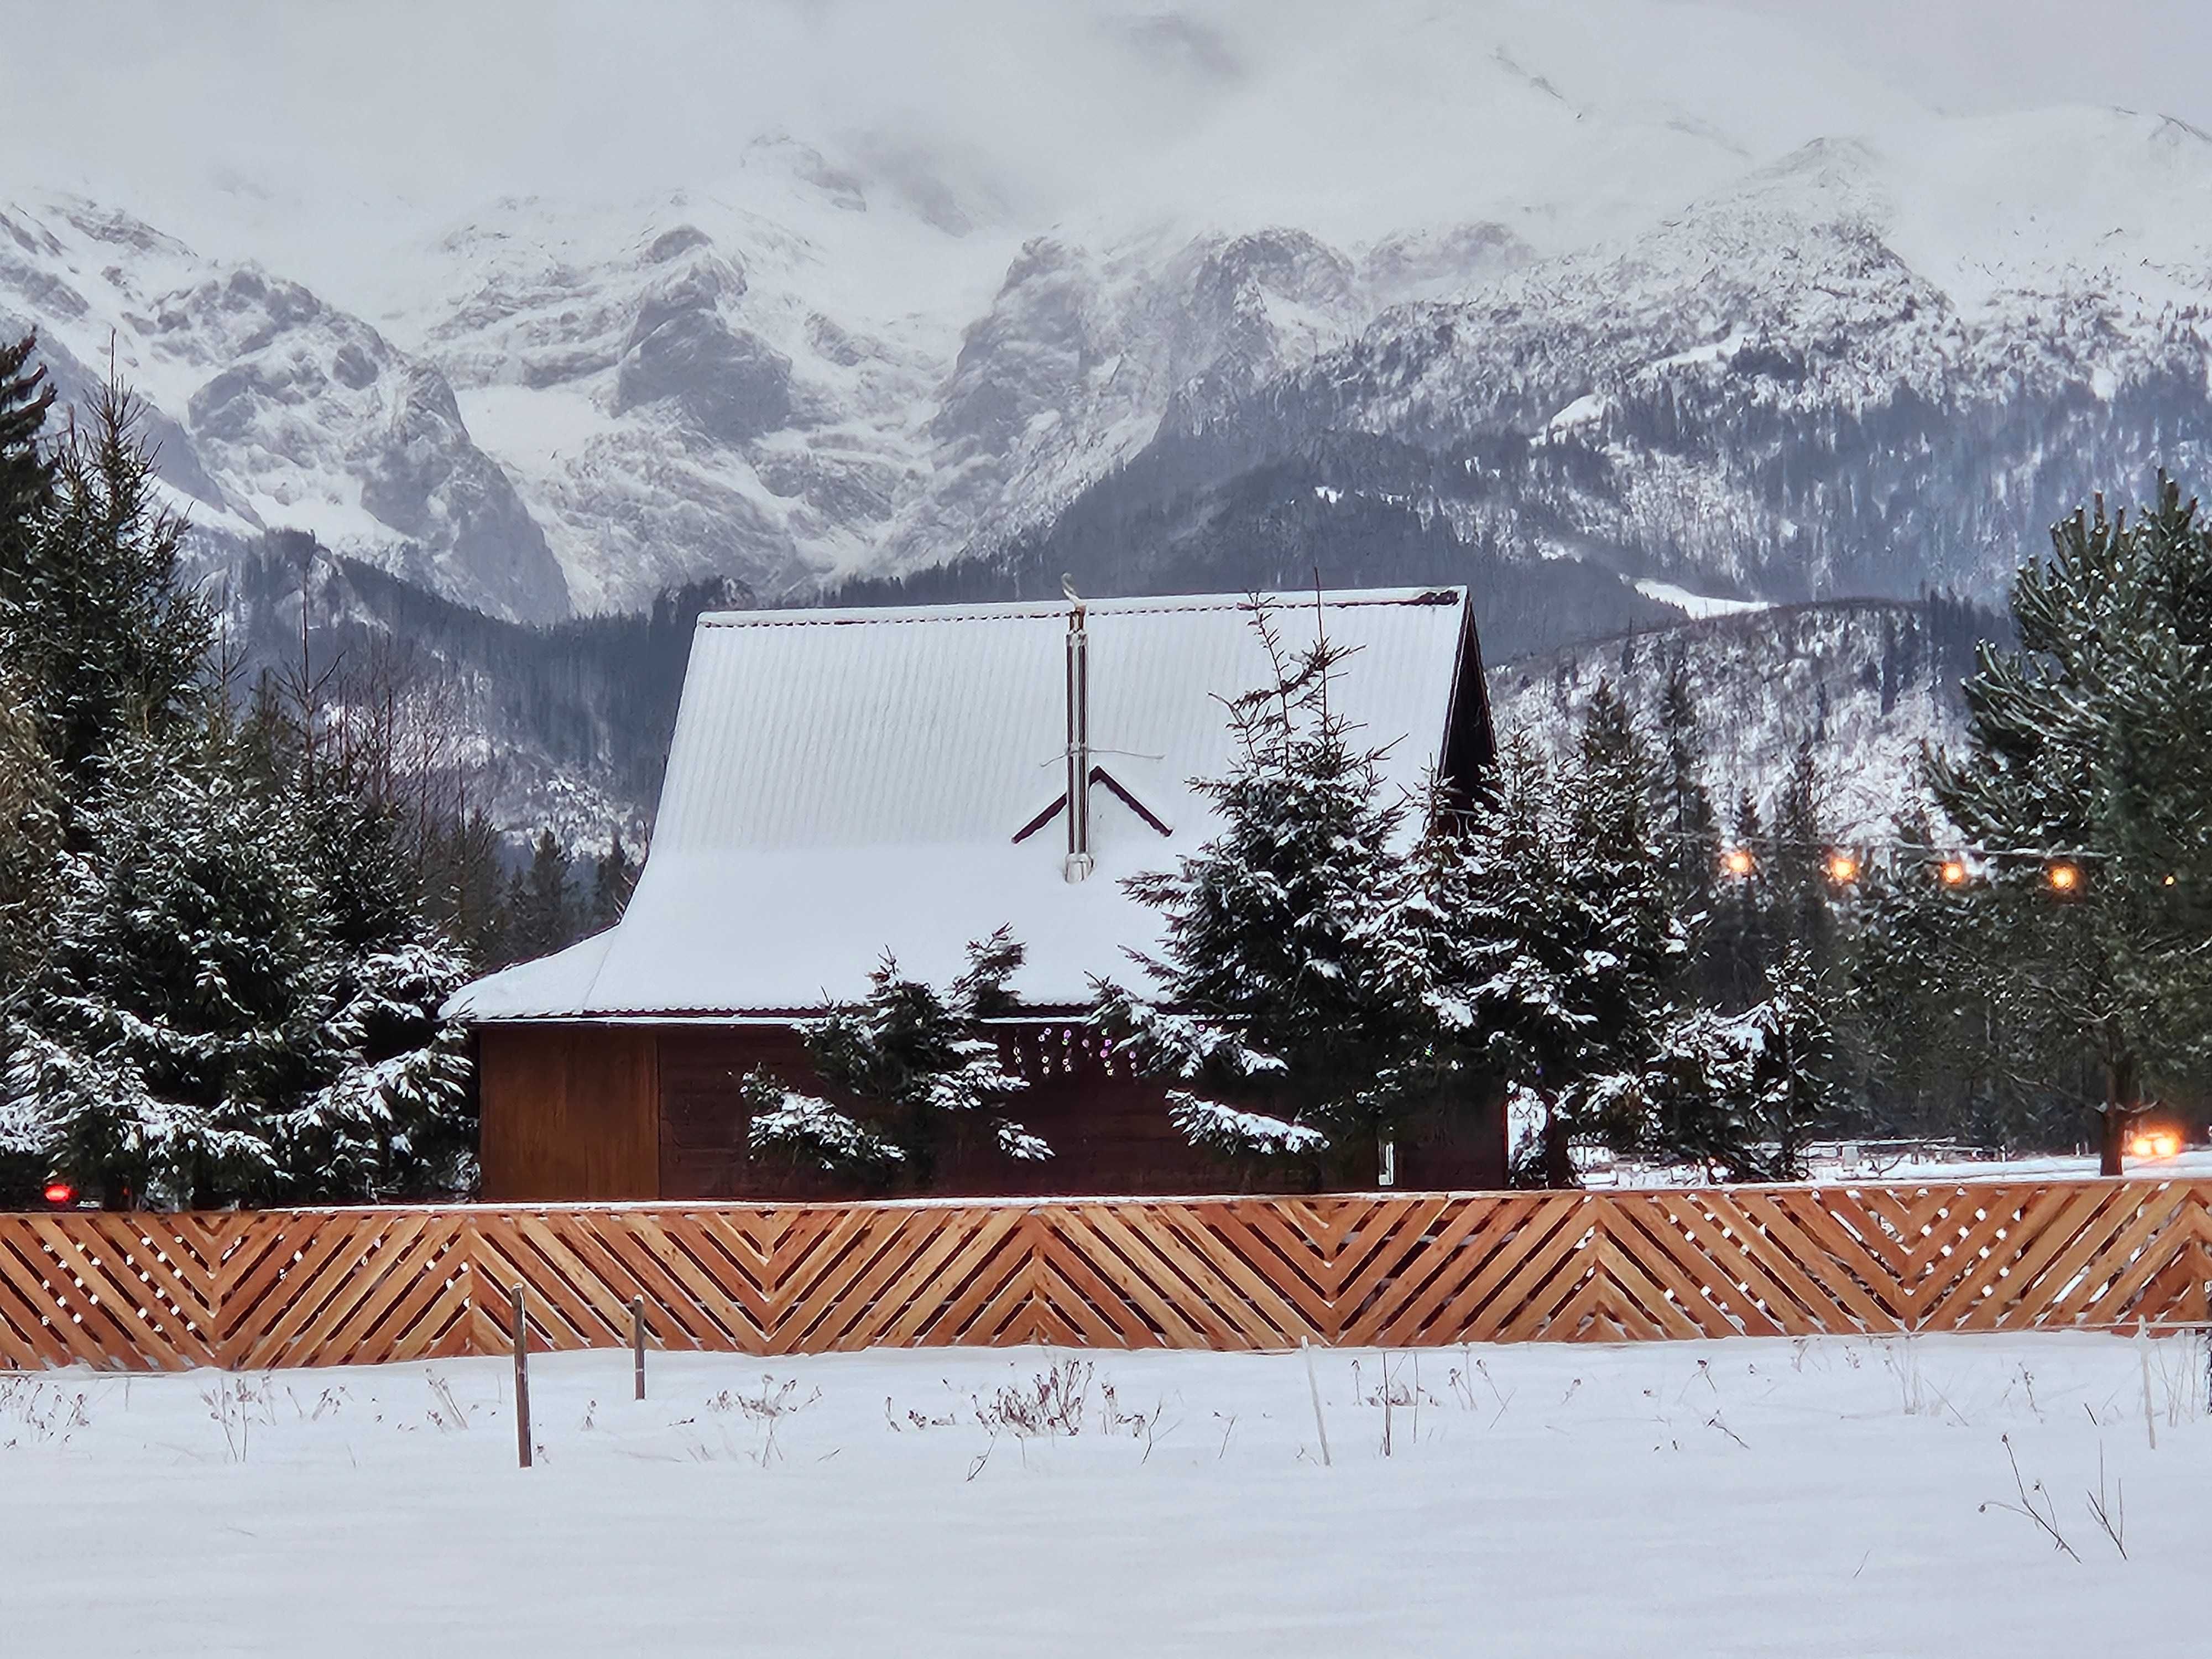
<point>60,1192</point>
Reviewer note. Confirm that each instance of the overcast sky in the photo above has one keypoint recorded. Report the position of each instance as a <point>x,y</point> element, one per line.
<point>1971,55</point>
<point>448,101</point>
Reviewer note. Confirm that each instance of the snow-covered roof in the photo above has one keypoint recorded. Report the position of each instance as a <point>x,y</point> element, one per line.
<point>842,784</point>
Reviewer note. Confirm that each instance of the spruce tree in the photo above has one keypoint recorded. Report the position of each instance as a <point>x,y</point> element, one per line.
<point>1953,1048</point>
<point>94,618</point>
<point>2085,753</point>
<point>916,1075</point>
<point>1280,1012</point>
<point>27,469</point>
<point>462,891</point>
<point>32,805</point>
<point>181,1000</point>
<point>222,989</point>
<point>1687,818</point>
<point>1743,1093</point>
<point>1736,948</point>
<point>1795,883</point>
<point>1566,942</point>
<point>613,875</point>
<point>542,902</point>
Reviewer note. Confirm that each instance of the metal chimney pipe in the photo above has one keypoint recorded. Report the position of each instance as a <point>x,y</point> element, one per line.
<point>1078,863</point>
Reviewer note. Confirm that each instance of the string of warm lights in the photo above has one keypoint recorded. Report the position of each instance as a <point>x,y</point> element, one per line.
<point>1844,864</point>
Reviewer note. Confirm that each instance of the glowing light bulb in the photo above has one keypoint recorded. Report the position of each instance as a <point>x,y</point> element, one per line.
<point>1738,861</point>
<point>1953,872</point>
<point>1843,869</point>
<point>2063,877</point>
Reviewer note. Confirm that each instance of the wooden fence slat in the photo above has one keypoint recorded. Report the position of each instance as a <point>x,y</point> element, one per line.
<point>1485,1303</point>
<point>363,1286</point>
<point>1404,1310</point>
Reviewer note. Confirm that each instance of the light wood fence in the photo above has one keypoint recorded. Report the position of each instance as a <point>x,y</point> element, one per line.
<point>359,1287</point>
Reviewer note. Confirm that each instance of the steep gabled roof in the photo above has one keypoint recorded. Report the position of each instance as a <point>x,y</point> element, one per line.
<point>846,783</point>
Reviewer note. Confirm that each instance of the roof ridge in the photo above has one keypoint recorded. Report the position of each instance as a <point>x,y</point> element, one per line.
<point>1013,610</point>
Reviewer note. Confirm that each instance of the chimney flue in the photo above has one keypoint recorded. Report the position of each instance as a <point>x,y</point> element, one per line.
<point>1078,862</point>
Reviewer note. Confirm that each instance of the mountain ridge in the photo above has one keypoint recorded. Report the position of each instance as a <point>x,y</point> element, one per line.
<point>1803,339</point>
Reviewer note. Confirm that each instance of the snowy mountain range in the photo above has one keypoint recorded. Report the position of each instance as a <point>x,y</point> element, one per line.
<point>1617,310</point>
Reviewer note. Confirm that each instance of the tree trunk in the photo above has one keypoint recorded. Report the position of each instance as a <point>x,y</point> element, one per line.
<point>1559,1166</point>
<point>2113,1159</point>
<point>2121,1108</point>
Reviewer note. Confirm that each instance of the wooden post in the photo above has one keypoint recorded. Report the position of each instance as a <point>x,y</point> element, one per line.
<point>637,1341</point>
<point>1313,1387</point>
<point>2142,1353</point>
<point>521,1382</point>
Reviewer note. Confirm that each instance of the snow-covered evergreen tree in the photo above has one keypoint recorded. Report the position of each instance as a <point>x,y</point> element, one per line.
<point>394,1118</point>
<point>1686,821</point>
<point>1742,1093</point>
<point>112,647</point>
<point>1286,1009</point>
<point>1568,941</point>
<point>915,1072</point>
<point>223,990</point>
<point>1950,1047</point>
<point>180,1002</point>
<point>203,1029</point>
<point>2087,751</point>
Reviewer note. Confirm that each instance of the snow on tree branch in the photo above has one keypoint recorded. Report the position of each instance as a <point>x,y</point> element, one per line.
<point>811,1130</point>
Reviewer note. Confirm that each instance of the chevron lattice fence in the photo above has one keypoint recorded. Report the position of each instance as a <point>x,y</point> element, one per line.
<point>361,1286</point>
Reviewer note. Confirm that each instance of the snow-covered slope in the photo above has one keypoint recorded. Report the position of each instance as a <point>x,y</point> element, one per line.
<point>1663,291</point>
<point>1869,685</point>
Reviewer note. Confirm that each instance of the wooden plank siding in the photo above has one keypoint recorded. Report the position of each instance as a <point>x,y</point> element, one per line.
<point>581,1112</point>
<point>570,1112</point>
<point>148,1291</point>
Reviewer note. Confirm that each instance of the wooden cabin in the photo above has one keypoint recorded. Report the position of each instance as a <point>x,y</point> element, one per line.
<point>847,784</point>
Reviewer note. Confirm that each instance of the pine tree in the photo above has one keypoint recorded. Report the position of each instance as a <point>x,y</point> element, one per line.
<point>1279,1011</point>
<point>1795,878</point>
<point>2085,752</point>
<point>916,1075</point>
<point>1952,1048</point>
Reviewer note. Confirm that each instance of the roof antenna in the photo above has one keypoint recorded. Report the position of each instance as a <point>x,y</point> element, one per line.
<point>1078,862</point>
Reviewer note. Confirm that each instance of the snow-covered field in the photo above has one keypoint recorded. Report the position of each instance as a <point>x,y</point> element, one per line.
<point>1831,1497</point>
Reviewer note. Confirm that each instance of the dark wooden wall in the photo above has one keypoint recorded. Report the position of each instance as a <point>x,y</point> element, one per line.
<point>569,1111</point>
<point>595,1112</point>
<point>1108,1130</point>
